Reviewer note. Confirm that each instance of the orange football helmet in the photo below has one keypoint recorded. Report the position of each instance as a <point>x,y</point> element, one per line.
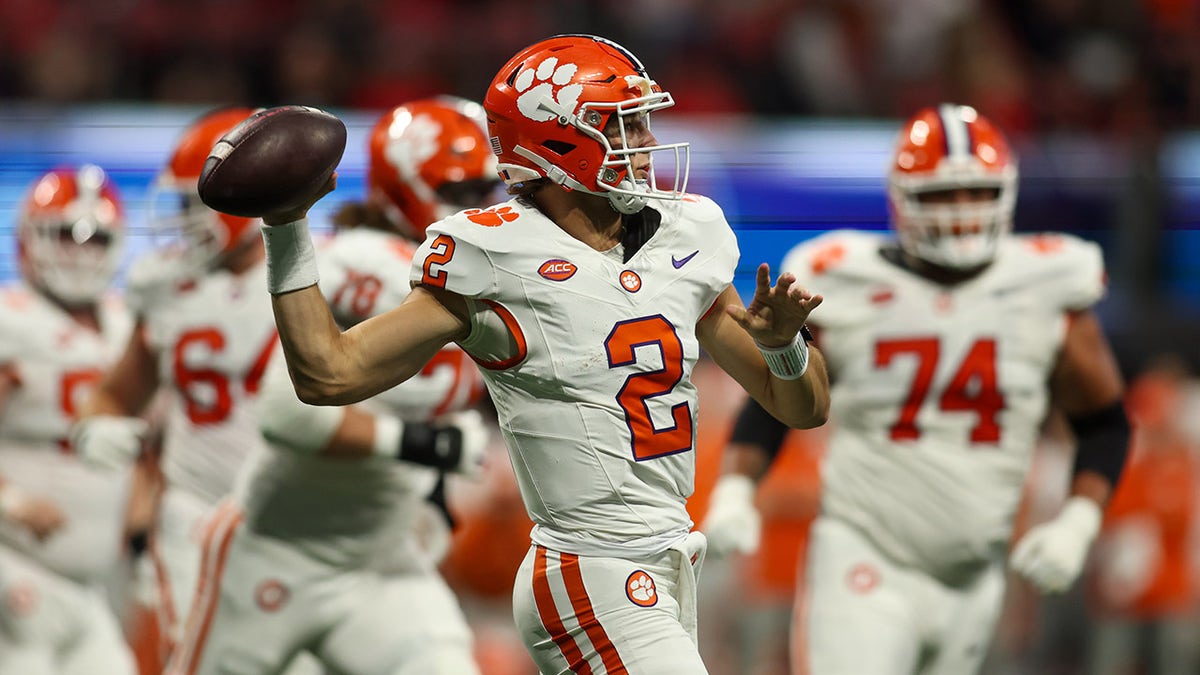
<point>70,232</point>
<point>428,160</point>
<point>177,216</point>
<point>565,109</point>
<point>951,147</point>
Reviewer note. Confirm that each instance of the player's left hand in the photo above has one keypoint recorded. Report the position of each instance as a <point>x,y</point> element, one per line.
<point>776,313</point>
<point>1051,555</point>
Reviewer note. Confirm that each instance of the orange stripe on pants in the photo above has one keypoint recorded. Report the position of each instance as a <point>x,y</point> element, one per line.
<point>573,577</point>
<point>217,538</point>
<point>550,619</point>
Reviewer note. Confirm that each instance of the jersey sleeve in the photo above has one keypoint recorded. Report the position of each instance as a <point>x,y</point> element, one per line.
<point>453,258</point>
<point>11,318</point>
<point>152,278</point>
<point>819,260</point>
<point>1072,269</point>
<point>363,274</point>
<point>713,239</point>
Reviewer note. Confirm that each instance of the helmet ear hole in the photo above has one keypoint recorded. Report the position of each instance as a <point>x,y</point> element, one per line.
<point>561,148</point>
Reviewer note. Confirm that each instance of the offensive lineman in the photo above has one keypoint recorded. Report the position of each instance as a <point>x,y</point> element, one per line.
<point>947,347</point>
<point>60,519</point>
<point>329,544</point>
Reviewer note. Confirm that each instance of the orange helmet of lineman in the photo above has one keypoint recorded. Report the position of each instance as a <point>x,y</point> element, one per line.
<point>941,150</point>
<point>70,232</point>
<point>429,159</point>
<point>178,217</point>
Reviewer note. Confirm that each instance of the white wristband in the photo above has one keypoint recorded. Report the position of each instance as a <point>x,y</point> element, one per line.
<point>388,433</point>
<point>789,362</point>
<point>291,259</point>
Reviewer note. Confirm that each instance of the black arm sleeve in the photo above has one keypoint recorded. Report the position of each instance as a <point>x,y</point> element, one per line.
<point>1102,442</point>
<point>756,426</point>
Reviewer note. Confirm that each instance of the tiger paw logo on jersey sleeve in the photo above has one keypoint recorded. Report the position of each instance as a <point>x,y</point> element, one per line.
<point>639,588</point>
<point>551,83</point>
<point>493,217</point>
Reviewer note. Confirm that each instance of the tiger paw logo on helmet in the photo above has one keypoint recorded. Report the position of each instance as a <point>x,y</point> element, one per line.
<point>639,588</point>
<point>552,82</point>
<point>493,217</point>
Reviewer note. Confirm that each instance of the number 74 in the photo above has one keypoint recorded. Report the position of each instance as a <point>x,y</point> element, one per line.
<point>972,388</point>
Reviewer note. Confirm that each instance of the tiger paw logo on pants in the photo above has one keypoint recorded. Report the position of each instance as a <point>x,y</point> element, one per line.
<point>639,588</point>
<point>549,80</point>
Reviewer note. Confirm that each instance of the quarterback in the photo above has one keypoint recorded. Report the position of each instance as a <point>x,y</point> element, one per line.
<point>586,299</point>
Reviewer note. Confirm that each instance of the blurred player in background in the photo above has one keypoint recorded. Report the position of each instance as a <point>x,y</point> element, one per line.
<point>947,345</point>
<point>61,520</point>
<point>331,543</point>
<point>587,309</point>
<point>203,331</point>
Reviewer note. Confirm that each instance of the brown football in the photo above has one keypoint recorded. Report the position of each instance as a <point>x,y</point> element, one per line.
<point>274,161</point>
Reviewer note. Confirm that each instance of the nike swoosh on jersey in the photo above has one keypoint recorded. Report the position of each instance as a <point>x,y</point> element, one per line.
<point>684,260</point>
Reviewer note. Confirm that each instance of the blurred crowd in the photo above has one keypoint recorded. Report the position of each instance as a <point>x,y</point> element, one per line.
<point>1128,66</point>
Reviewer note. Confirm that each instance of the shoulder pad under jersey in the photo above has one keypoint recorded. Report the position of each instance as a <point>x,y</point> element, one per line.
<point>457,252</point>
<point>1067,271</point>
<point>152,278</point>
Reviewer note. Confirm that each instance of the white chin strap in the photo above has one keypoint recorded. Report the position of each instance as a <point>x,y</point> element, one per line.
<point>626,203</point>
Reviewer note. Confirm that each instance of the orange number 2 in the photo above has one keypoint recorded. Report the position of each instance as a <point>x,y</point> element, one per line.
<point>633,397</point>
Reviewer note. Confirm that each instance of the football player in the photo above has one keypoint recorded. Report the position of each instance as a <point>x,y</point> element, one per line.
<point>947,344</point>
<point>60,519</point>
<point>586,298</point>
<point>203,331</point>
<point>329,544</point>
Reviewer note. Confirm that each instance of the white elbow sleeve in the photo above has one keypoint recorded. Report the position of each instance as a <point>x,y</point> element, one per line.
<point>288,422</point>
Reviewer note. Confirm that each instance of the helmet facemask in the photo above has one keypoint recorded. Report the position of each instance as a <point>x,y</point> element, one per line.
<point>182,227</point>
<point>956,235</point>
<point>74,261</point>
<point>72,252</point>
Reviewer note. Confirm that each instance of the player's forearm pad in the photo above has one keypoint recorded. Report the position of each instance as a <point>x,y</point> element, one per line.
<point>440,447</point>
<point>1102,442</point>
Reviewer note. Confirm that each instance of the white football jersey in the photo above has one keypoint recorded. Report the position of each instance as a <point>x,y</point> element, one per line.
<point>348,512</point>
<point>213,336</point>
<point>939,391</point>
<point>57,362</point>
<point>589,362</point>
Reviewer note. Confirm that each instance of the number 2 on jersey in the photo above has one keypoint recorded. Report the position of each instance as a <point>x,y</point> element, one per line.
<point>649,442</point>
<point>973,387</point>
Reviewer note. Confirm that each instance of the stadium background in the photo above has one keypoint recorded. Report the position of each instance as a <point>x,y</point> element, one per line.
<point>790,106</point>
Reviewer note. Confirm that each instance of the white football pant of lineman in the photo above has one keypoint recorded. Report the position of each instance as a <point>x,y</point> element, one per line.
<point>50,625</point>
<point>262,602</point>
<point>867,615</point>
